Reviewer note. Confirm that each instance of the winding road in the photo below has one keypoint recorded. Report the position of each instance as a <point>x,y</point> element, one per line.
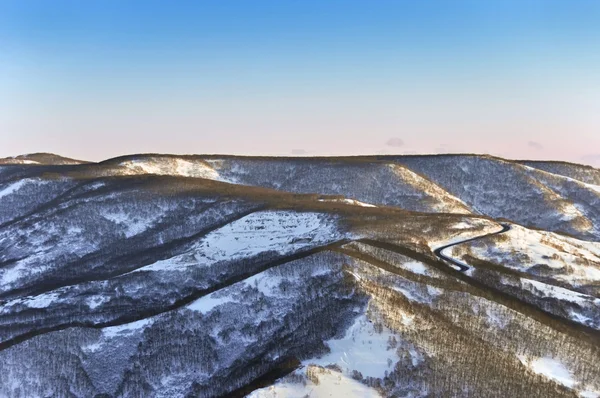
<point>462,267</point>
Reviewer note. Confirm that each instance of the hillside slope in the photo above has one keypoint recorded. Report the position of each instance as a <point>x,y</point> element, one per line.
<point>200,276</point>
<point>375,183</point>
<point>586,174</point>
<point>503,189</point>
<point>41,159</point>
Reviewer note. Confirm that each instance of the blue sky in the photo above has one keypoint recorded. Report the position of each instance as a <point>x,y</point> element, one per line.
<point>96,79</point>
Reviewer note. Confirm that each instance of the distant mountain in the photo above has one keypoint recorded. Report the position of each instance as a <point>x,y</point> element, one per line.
<point>202,276</point>
<point>41,158</point>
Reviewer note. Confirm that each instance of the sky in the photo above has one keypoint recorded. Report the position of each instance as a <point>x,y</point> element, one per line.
<point>97,79</point>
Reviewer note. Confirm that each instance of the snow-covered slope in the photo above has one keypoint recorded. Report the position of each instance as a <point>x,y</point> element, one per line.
<point>586,174</point>
<point>505,189</point>
<point>558,273</point>
<point>573,263</point>
<point>161,165</point>
<point>375,183</point>
<point>554,196</point>
<point>209,276</point>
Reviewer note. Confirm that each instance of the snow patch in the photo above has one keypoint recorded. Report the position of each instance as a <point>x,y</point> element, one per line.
<point>208,303</point>
<point>13,187</point>
<point>330,384</point>
<point>280,231</point>
<point>126,329</point>
<point>11,275</point>
<point>265,284</point>
<point>353,202</point>
<point>494,318</point>
<point>361,349</point>
<point>39,301</point>
<point>172,166</point>
<point>569,212</point>
<point>462,225</point>
<point>551,368</point>
<point>93,347</point>
<point>584,320</point>
<point>589,394</point>
<point>22,161</point>
<point>133,225</point>
<point>269,231</point>
<point>416,267</point>
<point>96,301</point>
<point>555,292</point>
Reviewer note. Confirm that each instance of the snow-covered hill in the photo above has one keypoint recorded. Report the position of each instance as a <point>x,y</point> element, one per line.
<point>503,189</point>
<point>207,276</point>
<point>376,183</point>
<point>41,159</point>
<point>556,196</point>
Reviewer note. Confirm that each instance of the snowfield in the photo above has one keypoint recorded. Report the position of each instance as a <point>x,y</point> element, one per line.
<point>553,370</point>
<point>362,349</point>
<point>277,231</point>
